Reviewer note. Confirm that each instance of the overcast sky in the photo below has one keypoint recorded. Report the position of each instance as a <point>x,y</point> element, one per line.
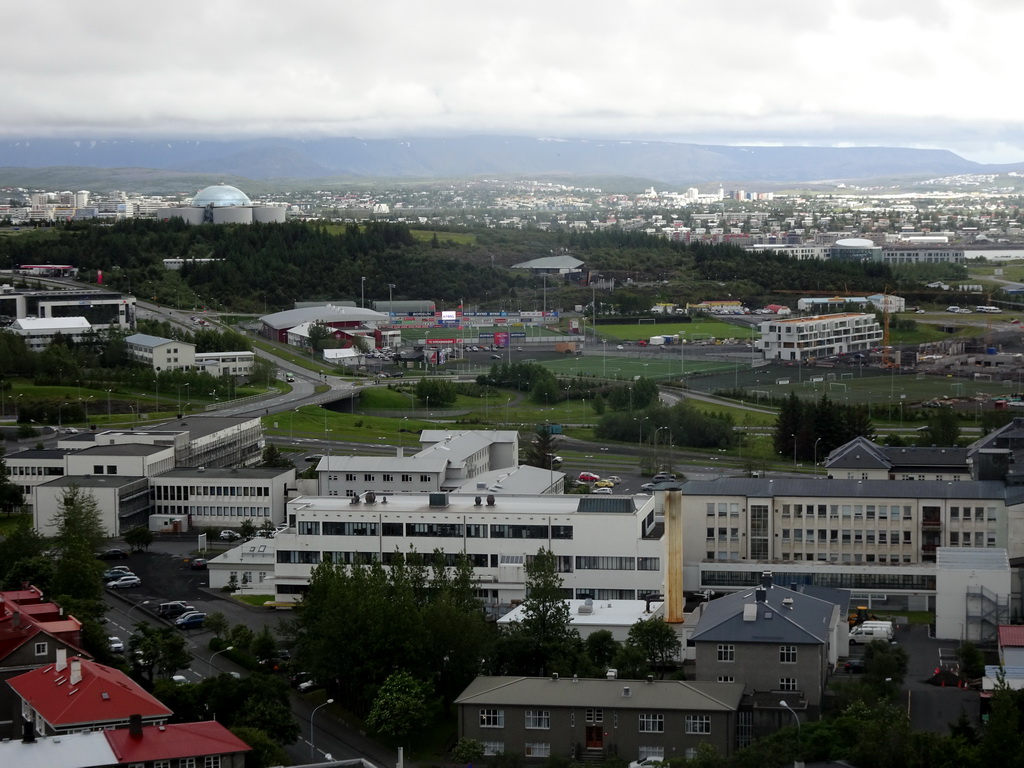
<point>914,73</point>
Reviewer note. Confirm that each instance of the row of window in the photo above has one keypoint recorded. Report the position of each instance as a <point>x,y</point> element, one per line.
<point>386,477</point>
<point>435,530</point>
<point>838,580</point>
<point>648,722</point>
<point>727,653</point>
<point>36,471</point>
<point>351,557</point>
<point>183,492</point>
<point>216,511</point>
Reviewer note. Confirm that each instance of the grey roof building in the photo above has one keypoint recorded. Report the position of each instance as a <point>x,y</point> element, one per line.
<point>782,644</point>
<point>587,719</point>
<point>862,459</point>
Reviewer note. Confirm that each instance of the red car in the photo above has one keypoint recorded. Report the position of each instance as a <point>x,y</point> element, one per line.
<point>588,477</point>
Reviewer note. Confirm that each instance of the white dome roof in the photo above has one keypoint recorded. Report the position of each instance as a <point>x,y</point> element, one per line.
<point>220,196</point>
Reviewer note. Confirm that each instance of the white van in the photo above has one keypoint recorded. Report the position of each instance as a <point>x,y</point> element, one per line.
<point>866,634</point>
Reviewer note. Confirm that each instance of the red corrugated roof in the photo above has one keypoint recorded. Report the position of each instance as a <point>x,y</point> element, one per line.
<point>167,742</point>
<point>103,695</point>
<point>1010,636</point>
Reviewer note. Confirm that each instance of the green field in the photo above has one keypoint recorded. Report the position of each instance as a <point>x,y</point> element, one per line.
<point>673,364</point>
<point>696,331</point>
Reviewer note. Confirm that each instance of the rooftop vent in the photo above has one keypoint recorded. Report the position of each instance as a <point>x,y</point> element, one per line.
<point>490,500</point>
<point>611,674</point>
<point>626,692</point>
<point>788,603</point>
<point>439,499</point>
<point>477,501</point>
<point>750,612</point>
<point>586,607</point>
<point>554,676</point>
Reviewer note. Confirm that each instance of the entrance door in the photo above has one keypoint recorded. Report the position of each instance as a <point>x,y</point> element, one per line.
<point>595,737</point>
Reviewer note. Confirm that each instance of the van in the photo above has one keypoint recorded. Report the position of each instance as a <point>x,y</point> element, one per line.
<point>864,634</point>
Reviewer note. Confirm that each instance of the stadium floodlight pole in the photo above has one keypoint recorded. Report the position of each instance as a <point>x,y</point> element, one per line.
<point>362,292</point>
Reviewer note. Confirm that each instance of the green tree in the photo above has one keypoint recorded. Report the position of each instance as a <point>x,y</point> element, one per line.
<point>601,647</point>
<point>158,651</point>
<point>265,751</point>
<point>79,533</point>
<point>658,641</point>
<point>885,666</point>
<point>263,645</point>
<point>542,448</point>
<point>467,751</point>
<point>217,623</point>
<point>400,707</point>
<point>247,529</point>
<point>138,538</point>
<point>272,457</point>
<point>943,427</point>
<point>321,337</point>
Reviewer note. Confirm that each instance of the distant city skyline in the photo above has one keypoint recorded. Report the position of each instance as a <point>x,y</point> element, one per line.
<point>843,73</point>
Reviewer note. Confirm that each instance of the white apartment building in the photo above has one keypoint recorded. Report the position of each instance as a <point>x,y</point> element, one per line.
<point>875,537</point>
<point>222,497</point>
<point>821,336</point>
<point>38,333</point>
<point>161,354</point>
<point>607,547</point>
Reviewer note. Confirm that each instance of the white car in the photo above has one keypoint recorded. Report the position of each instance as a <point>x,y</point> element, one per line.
<point>125,582</point>
<point>647,762</point>
<point>602,490</point>
<point>228,535</point>
<point>115,644</point>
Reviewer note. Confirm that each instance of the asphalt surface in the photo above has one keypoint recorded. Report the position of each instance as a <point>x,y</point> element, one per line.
<point>166,575</point>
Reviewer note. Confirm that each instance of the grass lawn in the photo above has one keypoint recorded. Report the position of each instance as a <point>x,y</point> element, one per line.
<point>671,364</point>
<point>256,600</point>
<point>695,331</point>
<point>10,523</point>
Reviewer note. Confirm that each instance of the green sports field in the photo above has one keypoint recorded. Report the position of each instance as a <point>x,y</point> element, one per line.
<point>698,330</point>
<point>614,367</point>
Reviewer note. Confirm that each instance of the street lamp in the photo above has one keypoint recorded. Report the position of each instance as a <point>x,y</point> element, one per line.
<point>60,411</point>
<point>362,292</point>
<point>797,718</point>
<point>222,650</point>
<point>137,605</point>
<point>641,441</point>
<point>816,455</point>
<point>108,404</point>
<point>391,301</point>
<point>312,749</point>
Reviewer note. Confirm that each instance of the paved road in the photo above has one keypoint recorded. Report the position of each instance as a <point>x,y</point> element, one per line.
<point>166,576</point>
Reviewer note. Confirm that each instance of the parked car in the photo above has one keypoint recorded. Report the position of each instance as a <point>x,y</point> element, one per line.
<point>191,621</point>
<point>647,762</point>
<point>495,357</point>
<point>854,667</point>
<point>606,483</point>
<point>602,490</point>
<point>299,678</point>
<point>112,554</point>
<point>309,685</point>
<point>648,487</point>
<point>663,477</point>
<point>230,535</point>
<point>199,564</point>
<point>125,582</point>
<point>174,609</point>
<point>314,457</point>
<point>614,479</point>
<point>115,644</point>
<point>588,477</point>
<point>110,576</point>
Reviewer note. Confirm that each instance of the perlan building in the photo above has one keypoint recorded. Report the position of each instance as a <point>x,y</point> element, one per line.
<point>224,204</point>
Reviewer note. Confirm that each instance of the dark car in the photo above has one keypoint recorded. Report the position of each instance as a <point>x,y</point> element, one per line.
<point>854,667</point>
<point>113,554</point>
<point>174,609</point>
<point>191,621</point>
<point>199,564</point>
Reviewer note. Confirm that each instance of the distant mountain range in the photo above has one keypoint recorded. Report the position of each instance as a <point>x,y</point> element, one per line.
<point>676,164</point>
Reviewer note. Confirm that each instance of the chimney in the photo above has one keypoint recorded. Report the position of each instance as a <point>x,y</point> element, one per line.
<point>761,595</point>
<point>16,620</point>
<point>766,579</point>
<point>76,671</point>
<point>135,726</point>
<point>674,598</point>
<point>62,659</point>
<point>28,733</point>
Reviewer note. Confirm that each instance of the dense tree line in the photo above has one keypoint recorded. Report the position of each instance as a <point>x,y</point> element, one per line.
<point>684,426</point>
<point>805,429</point>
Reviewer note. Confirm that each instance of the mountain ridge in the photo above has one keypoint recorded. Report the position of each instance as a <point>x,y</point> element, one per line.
<point>672,163</point>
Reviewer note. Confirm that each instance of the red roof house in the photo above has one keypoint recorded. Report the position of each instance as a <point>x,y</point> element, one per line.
<point>179,741</point>
<point>78,694</point>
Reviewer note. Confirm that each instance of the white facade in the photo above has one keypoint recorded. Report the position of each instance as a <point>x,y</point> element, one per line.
<point>38,333</point>
<point>123,501</point>
<point>161,354</point>
<point>226,363</point>
<point>223,497</point>
<point>599,541</point>
<point>136,460</point>
<point>972,595</point>
<point>803,338</point>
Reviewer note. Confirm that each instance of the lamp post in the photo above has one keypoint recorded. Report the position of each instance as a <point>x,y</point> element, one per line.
<point>816,455</point>
<point>312,749</point>
<point>222,650</point>
<point>108,404</point>
<point>137,605</point>
<point>362,292</point>
<point>656,437</point>
<point>60,411</point>
<point>391,302</point>
<point>641,441</point>
<point>17,410</point>
<point>797,718</point>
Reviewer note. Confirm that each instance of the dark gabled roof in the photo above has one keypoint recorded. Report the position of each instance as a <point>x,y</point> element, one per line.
<point>861,453</point>
<point>743,618</point>
<point>566,692</point>
<point>607,503</point>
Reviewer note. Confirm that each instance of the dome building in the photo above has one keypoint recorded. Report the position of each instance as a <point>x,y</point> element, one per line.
<point>223,204</point>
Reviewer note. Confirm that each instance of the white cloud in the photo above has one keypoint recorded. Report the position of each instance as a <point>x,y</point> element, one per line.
<point>873,72</point>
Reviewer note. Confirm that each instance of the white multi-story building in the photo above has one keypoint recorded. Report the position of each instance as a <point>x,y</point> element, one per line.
<point>161,354</point>
<point>223,497</point>
<point>607,547</point>
<point>226,363</point>
<point>821,336</point>
<point>38,333</point>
